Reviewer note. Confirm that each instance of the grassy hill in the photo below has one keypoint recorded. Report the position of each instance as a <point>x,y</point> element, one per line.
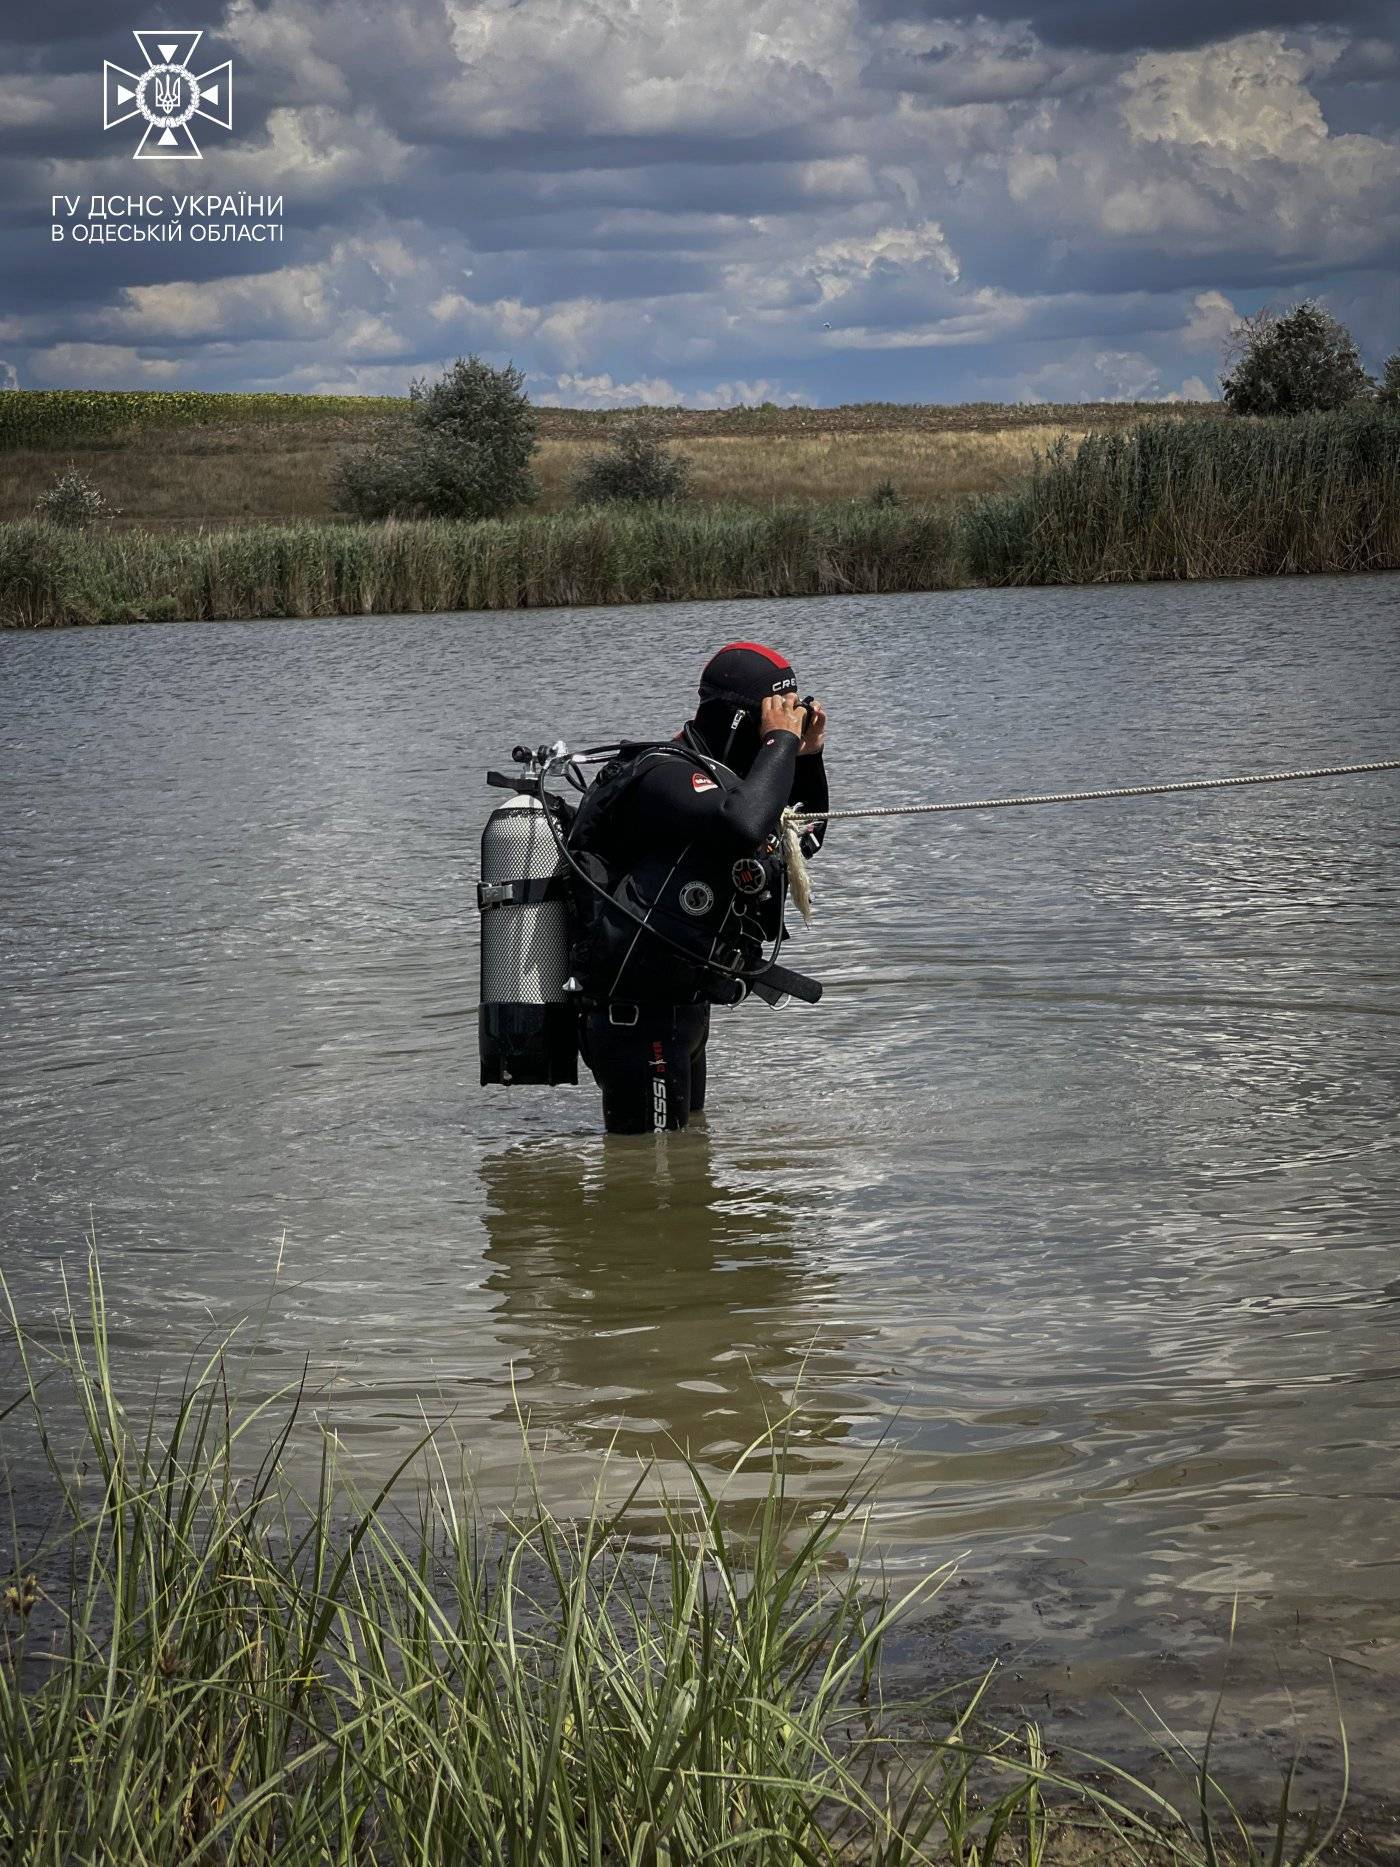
<point>176,459</point>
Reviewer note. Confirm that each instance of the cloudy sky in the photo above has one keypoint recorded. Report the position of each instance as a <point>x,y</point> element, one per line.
<point>717,201</point>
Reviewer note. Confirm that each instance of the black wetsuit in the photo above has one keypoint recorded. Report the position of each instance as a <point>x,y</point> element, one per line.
<point>684,841</point>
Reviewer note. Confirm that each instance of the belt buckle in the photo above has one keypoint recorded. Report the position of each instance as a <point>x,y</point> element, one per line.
<point>624,1023</point>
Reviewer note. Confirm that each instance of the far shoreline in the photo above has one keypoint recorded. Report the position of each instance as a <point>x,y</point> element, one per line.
<point>8,628</point>
<point>1160,500</point>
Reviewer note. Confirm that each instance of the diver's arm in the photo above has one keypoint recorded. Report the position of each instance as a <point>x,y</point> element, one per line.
<point>679,800</point>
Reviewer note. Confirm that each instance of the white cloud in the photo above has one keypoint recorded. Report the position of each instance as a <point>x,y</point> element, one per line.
<point>840,264</point>
<point>1211,319</point>
<point>279,40</point>
<point>101,366</point>
<point>575,390</point>
<point>568,329</point>
<point>1104,376</point>
<point>290,303</point>
<point>718,66</point>
<point>31,99</point>
<point>980,317</point>
<point>1220,149</point>
<point>1089,375</point>
<point>961,62</point>
<point>318,152</point>
<point>1247,96</point>
<point>23,104</point>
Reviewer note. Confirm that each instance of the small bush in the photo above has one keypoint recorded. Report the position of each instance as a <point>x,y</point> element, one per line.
<point>886,493</point>
<point>1303,362</point>
<point>635,466</point>
<point>1388,391</point>
<point>74,501</point>
<point>464,453</point>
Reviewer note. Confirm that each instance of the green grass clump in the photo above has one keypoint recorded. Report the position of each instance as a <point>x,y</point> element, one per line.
<point>67,417</point>
<point>1205,499</point>
<point>242,1677</point>
<point>209,1668</point>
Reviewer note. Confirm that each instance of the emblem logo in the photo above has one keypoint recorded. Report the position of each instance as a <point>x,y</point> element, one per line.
<point>697,898</point>
<point>699,782</point>
<point>168,95</point>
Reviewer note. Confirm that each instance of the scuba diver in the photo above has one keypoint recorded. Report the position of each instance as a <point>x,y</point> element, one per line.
<point>680,882</point>
<point>609,927</point>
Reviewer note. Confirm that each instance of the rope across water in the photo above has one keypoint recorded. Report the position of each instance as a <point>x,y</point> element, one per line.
<point>1084,797</point>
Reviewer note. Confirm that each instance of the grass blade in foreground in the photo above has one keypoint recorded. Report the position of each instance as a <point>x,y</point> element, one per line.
<point>211,1669</point>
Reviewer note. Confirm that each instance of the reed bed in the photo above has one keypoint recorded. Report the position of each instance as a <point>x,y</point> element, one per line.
<point>48,577</point>
<point>201,1666</point>
<point>1220,499</point>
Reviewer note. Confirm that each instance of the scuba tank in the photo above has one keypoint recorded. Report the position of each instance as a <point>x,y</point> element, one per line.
<point>527,1023</point>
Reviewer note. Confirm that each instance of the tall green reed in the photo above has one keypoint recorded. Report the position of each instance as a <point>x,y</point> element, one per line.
<point>1211,499</point>
<point>545,560</point>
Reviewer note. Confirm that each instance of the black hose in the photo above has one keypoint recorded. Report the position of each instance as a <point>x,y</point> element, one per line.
<point>642,920</point>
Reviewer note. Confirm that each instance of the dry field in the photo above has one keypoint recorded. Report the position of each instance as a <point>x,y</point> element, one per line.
<point>242,473</point>
<point>231,475</point>
<point>759,470</point>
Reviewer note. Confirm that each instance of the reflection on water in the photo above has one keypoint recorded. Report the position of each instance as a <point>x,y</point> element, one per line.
<point>649,1307</point>
<point>1082,1184</point>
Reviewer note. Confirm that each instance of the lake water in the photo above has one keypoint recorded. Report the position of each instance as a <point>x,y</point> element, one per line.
<point>1080,1188</point>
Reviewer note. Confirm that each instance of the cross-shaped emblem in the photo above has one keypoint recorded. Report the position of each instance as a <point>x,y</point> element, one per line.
<point>167,94</point>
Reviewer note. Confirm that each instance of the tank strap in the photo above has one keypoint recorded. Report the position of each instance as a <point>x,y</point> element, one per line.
<point>521,894</point>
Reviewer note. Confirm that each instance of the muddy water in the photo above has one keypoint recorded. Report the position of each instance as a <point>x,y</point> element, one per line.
<point>1080,1189</point>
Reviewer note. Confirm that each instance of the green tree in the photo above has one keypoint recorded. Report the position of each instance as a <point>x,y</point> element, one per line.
<point>635,465</point>
<point>1298,362</point>
<point>1388,394</point>
<point>464,452</point>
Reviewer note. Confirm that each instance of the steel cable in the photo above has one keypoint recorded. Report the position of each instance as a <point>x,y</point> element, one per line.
<point>1084,797</point>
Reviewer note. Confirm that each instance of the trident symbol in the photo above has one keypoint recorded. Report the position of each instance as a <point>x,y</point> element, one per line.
<point>168,93</point>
